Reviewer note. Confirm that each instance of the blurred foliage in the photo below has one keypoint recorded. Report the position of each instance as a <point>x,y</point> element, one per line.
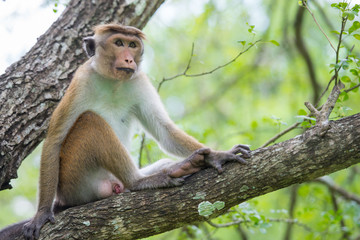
<point>248,101</point>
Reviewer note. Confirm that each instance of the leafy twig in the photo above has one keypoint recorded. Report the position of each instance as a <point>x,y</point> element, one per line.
<point>333,96</point>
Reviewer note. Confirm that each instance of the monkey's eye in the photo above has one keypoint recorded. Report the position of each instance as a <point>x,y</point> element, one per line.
<point>132,45</point>
<point>119,43</point>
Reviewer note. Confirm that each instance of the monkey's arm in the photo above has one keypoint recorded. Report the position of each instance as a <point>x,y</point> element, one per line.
<point>61,121</point>
<point>156,121</point>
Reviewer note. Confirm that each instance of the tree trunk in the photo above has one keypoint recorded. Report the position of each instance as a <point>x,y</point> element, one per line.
<point>31,88</point>
<point>142,214</point>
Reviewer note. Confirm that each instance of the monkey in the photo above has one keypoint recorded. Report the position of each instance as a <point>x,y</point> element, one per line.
<point>85,156</point>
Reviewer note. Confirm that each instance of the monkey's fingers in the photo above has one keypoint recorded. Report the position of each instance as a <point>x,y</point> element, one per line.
<point>202,151</point>
<point>175,182</point>
<point>49,218</point>
<point>246,147</point>
<point>243,149</point>
<point>32,228</point>
<point>218,167</point>
<point>197,158</point>
<point>241,160</point>
<point>233,157</point>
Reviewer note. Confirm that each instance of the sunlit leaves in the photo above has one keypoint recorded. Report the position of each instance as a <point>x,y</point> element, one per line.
<point>345,79</point>
<point>275,42</point>
<point>355,26</point>
<point>357,36</point>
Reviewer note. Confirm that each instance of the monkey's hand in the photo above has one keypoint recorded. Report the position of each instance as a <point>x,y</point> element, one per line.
<point>205,157</point>
<point>217,159</point>
<point>31,229</point>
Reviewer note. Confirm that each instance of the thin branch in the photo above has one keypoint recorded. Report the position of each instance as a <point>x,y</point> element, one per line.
<point>331,185</point>
<point>143,137</point>
<point>350,89</point>
<point>185,74</point>
<point>277,136</point>
<point>241,221</point>
<point>316,22</point>
<point>293,198</point>
<point>335,204</point>
<point>301,46</point>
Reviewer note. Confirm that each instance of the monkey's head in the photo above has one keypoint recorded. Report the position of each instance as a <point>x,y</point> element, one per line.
<point>116,50</point>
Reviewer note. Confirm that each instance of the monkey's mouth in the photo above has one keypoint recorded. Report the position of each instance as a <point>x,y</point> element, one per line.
<point>127,70</point>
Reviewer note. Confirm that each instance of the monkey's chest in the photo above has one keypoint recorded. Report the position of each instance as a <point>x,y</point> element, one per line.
<point>120,120</point>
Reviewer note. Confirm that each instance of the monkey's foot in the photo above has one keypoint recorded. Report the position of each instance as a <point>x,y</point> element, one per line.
<point>217,159</point>
<point>190,165</point>
<point>32,228</point>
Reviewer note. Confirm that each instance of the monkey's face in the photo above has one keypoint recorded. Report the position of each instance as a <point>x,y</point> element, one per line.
<point>118,56</point>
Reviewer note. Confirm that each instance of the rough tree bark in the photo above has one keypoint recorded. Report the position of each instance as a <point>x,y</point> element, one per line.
<point>31,87</point>
<point>141,214</point>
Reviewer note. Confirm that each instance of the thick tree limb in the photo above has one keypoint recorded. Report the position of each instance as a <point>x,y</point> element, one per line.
<point>141,214</point>
<point>31,87</point>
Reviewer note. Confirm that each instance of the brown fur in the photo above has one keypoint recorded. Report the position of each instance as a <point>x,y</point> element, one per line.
<point>83,158</point>
<point>113,27</point>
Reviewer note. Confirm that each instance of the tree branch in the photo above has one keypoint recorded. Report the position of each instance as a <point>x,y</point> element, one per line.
<point>145,213</point>
<point>31,88</point>
<point>337,189</point>
<point>186,74</point>
<point>300,45</point>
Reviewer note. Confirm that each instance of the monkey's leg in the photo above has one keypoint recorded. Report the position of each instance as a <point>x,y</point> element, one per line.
<point>93,162</point>
<point>90,152</point>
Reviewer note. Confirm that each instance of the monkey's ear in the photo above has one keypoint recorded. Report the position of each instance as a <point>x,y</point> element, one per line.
<point>89,46</point>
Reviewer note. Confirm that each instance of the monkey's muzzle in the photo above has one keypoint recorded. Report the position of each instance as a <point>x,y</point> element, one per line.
<point>127,70</point>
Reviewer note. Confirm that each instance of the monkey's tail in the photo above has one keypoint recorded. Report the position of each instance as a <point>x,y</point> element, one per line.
<point>13,231</point>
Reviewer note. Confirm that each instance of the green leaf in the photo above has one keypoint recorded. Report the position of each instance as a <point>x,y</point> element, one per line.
<point>343,96</point>
<point>354,72</point>
<point>206,208</point>
<point>254,125</point>
<point>275,42</point>
<point>345,65</point>
<point>242,42</point>
<point>219,205</point>
<point>305,124</point>
<point>302,112</point>
<point>357,36</point>
<point>336,32</point>
<point>345,79</point>
<point>354,27</point>
<point>349,15</point>
<point>335,5</point>
<point>352,84</point>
